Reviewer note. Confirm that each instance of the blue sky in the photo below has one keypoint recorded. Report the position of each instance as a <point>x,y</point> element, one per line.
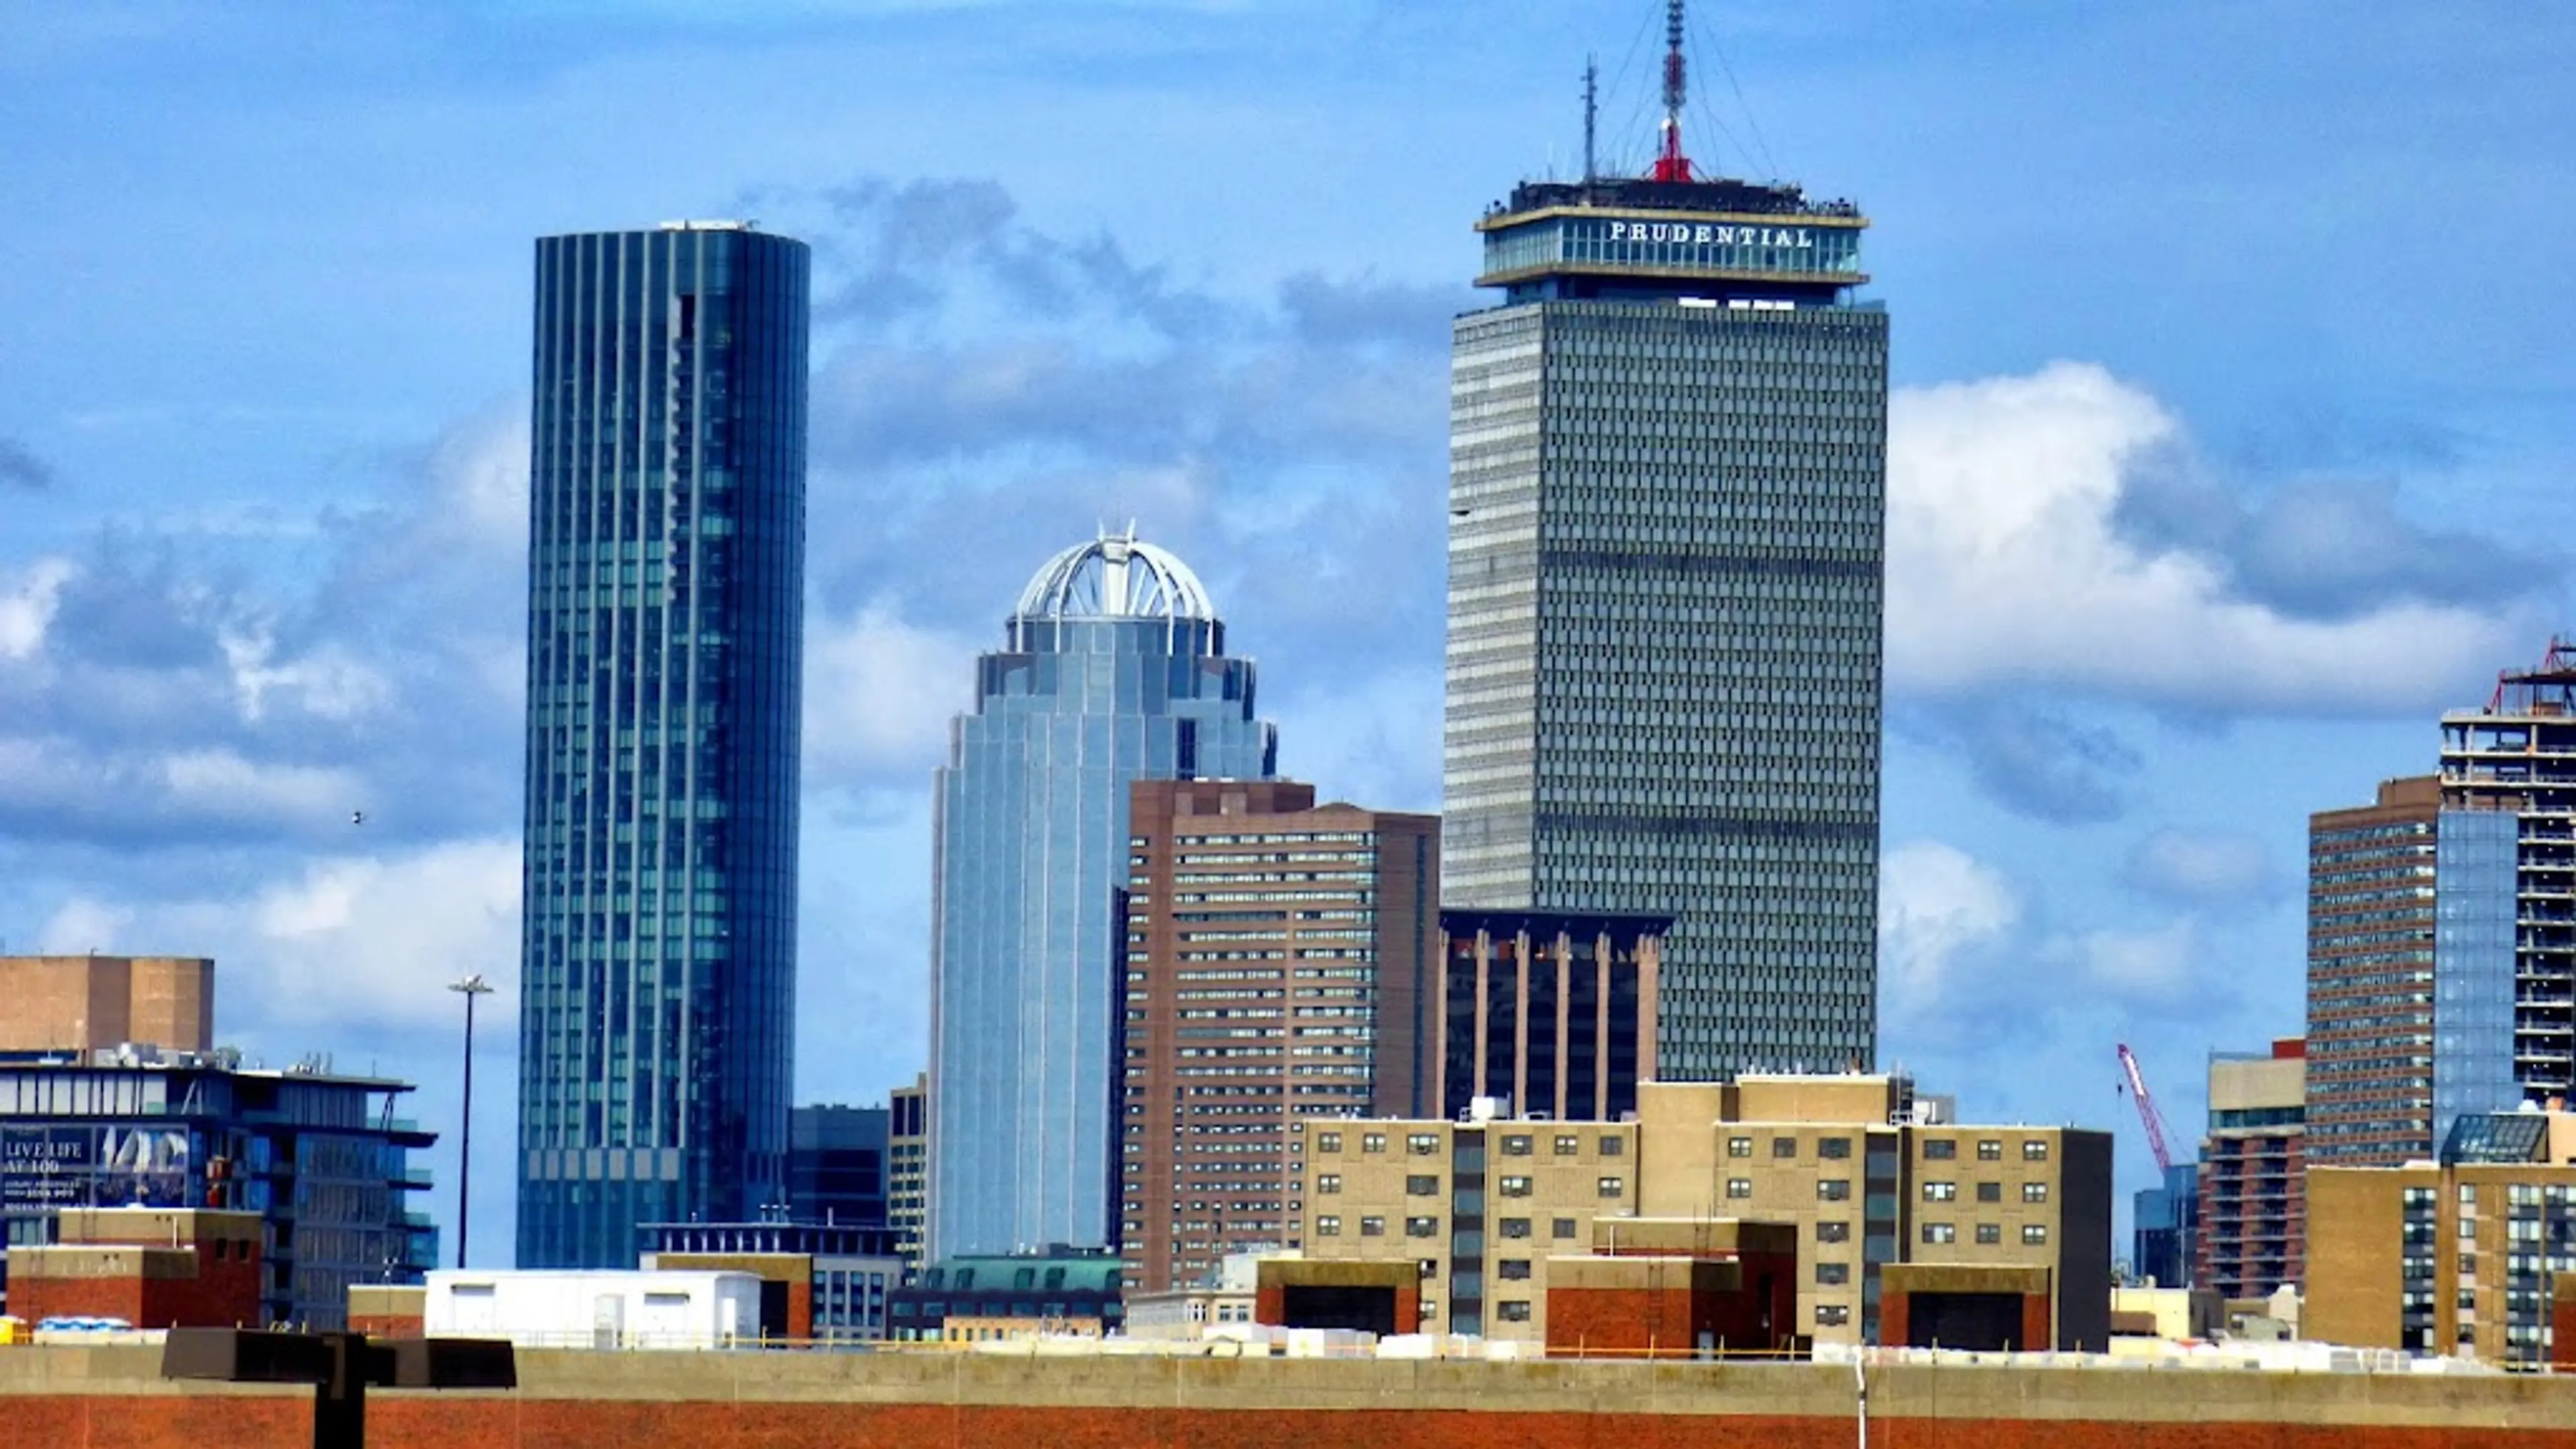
<point>2232,441</point>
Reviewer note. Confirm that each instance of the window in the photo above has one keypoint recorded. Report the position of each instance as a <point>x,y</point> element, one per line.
<point>2468,1194</point>
<point>1939,1149</point>
<point>1834,1149</point>
<point>1373,1227</point>
<point>1832,1315</point>
<point>2034,1233</point>
<point>1513,1310</point>
<point>1739,1147</point>
<point>1328,1142</point>
<point>1990,1149</point>
<point>1516,1187</point>
<point>1940,1233</point>
<point>1833,1189</point>
<point>1566,1145</point>
<point>1613,1146</point>
<point>1422,1184</point>
<point>2034,1192</point>
<point>1514,1270</point>
<point>2034,1150</point>
<point>1990,1192</point>
<point>1560,1228</point>
<point>1784,1147</point>
<point>1328,1226</point>
<point>1940,1192</point>
<point>1372,1142</point>
<point>1422,1144</point>
<point>1739,1187</point>
<point>1833,1275</point>
<point>2468,1300</point>
<point>1613,1186</point>
<point>1327,1182</point>
<point>1516,1227</point>
<point>1517,1145</point>
<point>1990,1232</point>
<point>1831,1231</point>
<point>2468,1227</point>
<point>1422,1227</point>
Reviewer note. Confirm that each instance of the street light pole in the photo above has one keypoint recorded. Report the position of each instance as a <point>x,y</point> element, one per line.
<point>469,988</point>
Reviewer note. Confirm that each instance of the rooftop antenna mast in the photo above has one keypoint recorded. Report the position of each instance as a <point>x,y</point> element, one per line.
<point>1672,165</point>
<point>1591,109</point>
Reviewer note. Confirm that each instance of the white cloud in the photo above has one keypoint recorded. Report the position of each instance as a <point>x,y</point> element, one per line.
<point>337,944</point>
<point>2155,966</point>
<point>2004,565</point>
<point>1937,907</point>
<point>327,682</point>
<point>27,606</point>
<point>879,692</point>
<point>82,925</point>
<point>2217,867</point>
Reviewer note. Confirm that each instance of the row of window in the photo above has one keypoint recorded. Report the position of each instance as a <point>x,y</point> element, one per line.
<point>1517,1144</point>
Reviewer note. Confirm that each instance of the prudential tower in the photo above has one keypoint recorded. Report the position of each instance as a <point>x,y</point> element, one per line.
<point>1112,669</point>
<point>1666,561</point>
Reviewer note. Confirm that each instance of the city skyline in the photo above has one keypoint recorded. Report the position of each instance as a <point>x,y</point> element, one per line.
<point>2147,610</point>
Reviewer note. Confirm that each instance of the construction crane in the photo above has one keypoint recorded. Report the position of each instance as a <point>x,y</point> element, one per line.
<point>2148,1116</point>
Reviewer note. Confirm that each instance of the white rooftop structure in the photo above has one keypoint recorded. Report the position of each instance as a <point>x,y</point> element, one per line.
<point>1115,577</point>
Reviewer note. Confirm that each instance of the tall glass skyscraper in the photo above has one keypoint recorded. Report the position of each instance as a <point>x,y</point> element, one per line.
<point>1113,669</point>
<point>665,620</point>
<point>1667,506</point>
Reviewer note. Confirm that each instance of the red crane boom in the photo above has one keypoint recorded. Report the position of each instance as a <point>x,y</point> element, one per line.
<point>2148,1116</point>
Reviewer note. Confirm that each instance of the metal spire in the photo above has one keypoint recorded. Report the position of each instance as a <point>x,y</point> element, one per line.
<point>1672,165</point>
<point>1591,109</point>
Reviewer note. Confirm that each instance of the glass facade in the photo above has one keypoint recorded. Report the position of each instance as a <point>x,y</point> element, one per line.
<point>2473,965</point>
<point>665,618</point>
<point>320,1159</point>
<point>1666,564</point>
<point>1113,670</point>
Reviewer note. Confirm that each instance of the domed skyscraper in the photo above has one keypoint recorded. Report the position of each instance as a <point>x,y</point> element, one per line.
<point>1113,669</point>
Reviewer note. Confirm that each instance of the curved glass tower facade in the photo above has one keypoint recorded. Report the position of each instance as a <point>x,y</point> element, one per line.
<point>1113,670</point>
<point>665,618</point>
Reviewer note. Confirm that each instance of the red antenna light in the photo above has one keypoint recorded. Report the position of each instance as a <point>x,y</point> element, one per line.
<point>1672,165</point>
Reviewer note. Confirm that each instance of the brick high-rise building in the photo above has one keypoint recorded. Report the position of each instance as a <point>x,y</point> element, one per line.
<point>85,1003</point>
<point>2253,1175</point>
<point>1277,965</point>
<point>2371,873</point>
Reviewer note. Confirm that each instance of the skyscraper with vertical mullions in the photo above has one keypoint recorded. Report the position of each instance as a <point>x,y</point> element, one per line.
<point>1113,669</point>
<point>665,622</point>
<point>1667,506</point>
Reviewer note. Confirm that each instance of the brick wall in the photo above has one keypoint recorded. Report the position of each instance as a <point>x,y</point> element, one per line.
<point>144,1286</point>
<point>426,1421</point>
<point>109,1398</point>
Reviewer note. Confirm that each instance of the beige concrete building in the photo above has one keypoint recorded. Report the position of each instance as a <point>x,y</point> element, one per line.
<point>907,1168</point>
<point>1477,1206</point>
<point>86,1003</point>
<point>1842,1158</point>
<point>2450,1257</point>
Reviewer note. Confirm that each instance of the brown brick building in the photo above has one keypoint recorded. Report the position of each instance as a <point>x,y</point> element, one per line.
<point>2253,1174</point>
<point>84,1003</point>
<point>2370,978</point>
<point>1276,965</point>
<point>152,1267</point>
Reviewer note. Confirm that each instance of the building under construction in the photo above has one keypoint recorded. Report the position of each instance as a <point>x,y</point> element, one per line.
<point>2505,938</point>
